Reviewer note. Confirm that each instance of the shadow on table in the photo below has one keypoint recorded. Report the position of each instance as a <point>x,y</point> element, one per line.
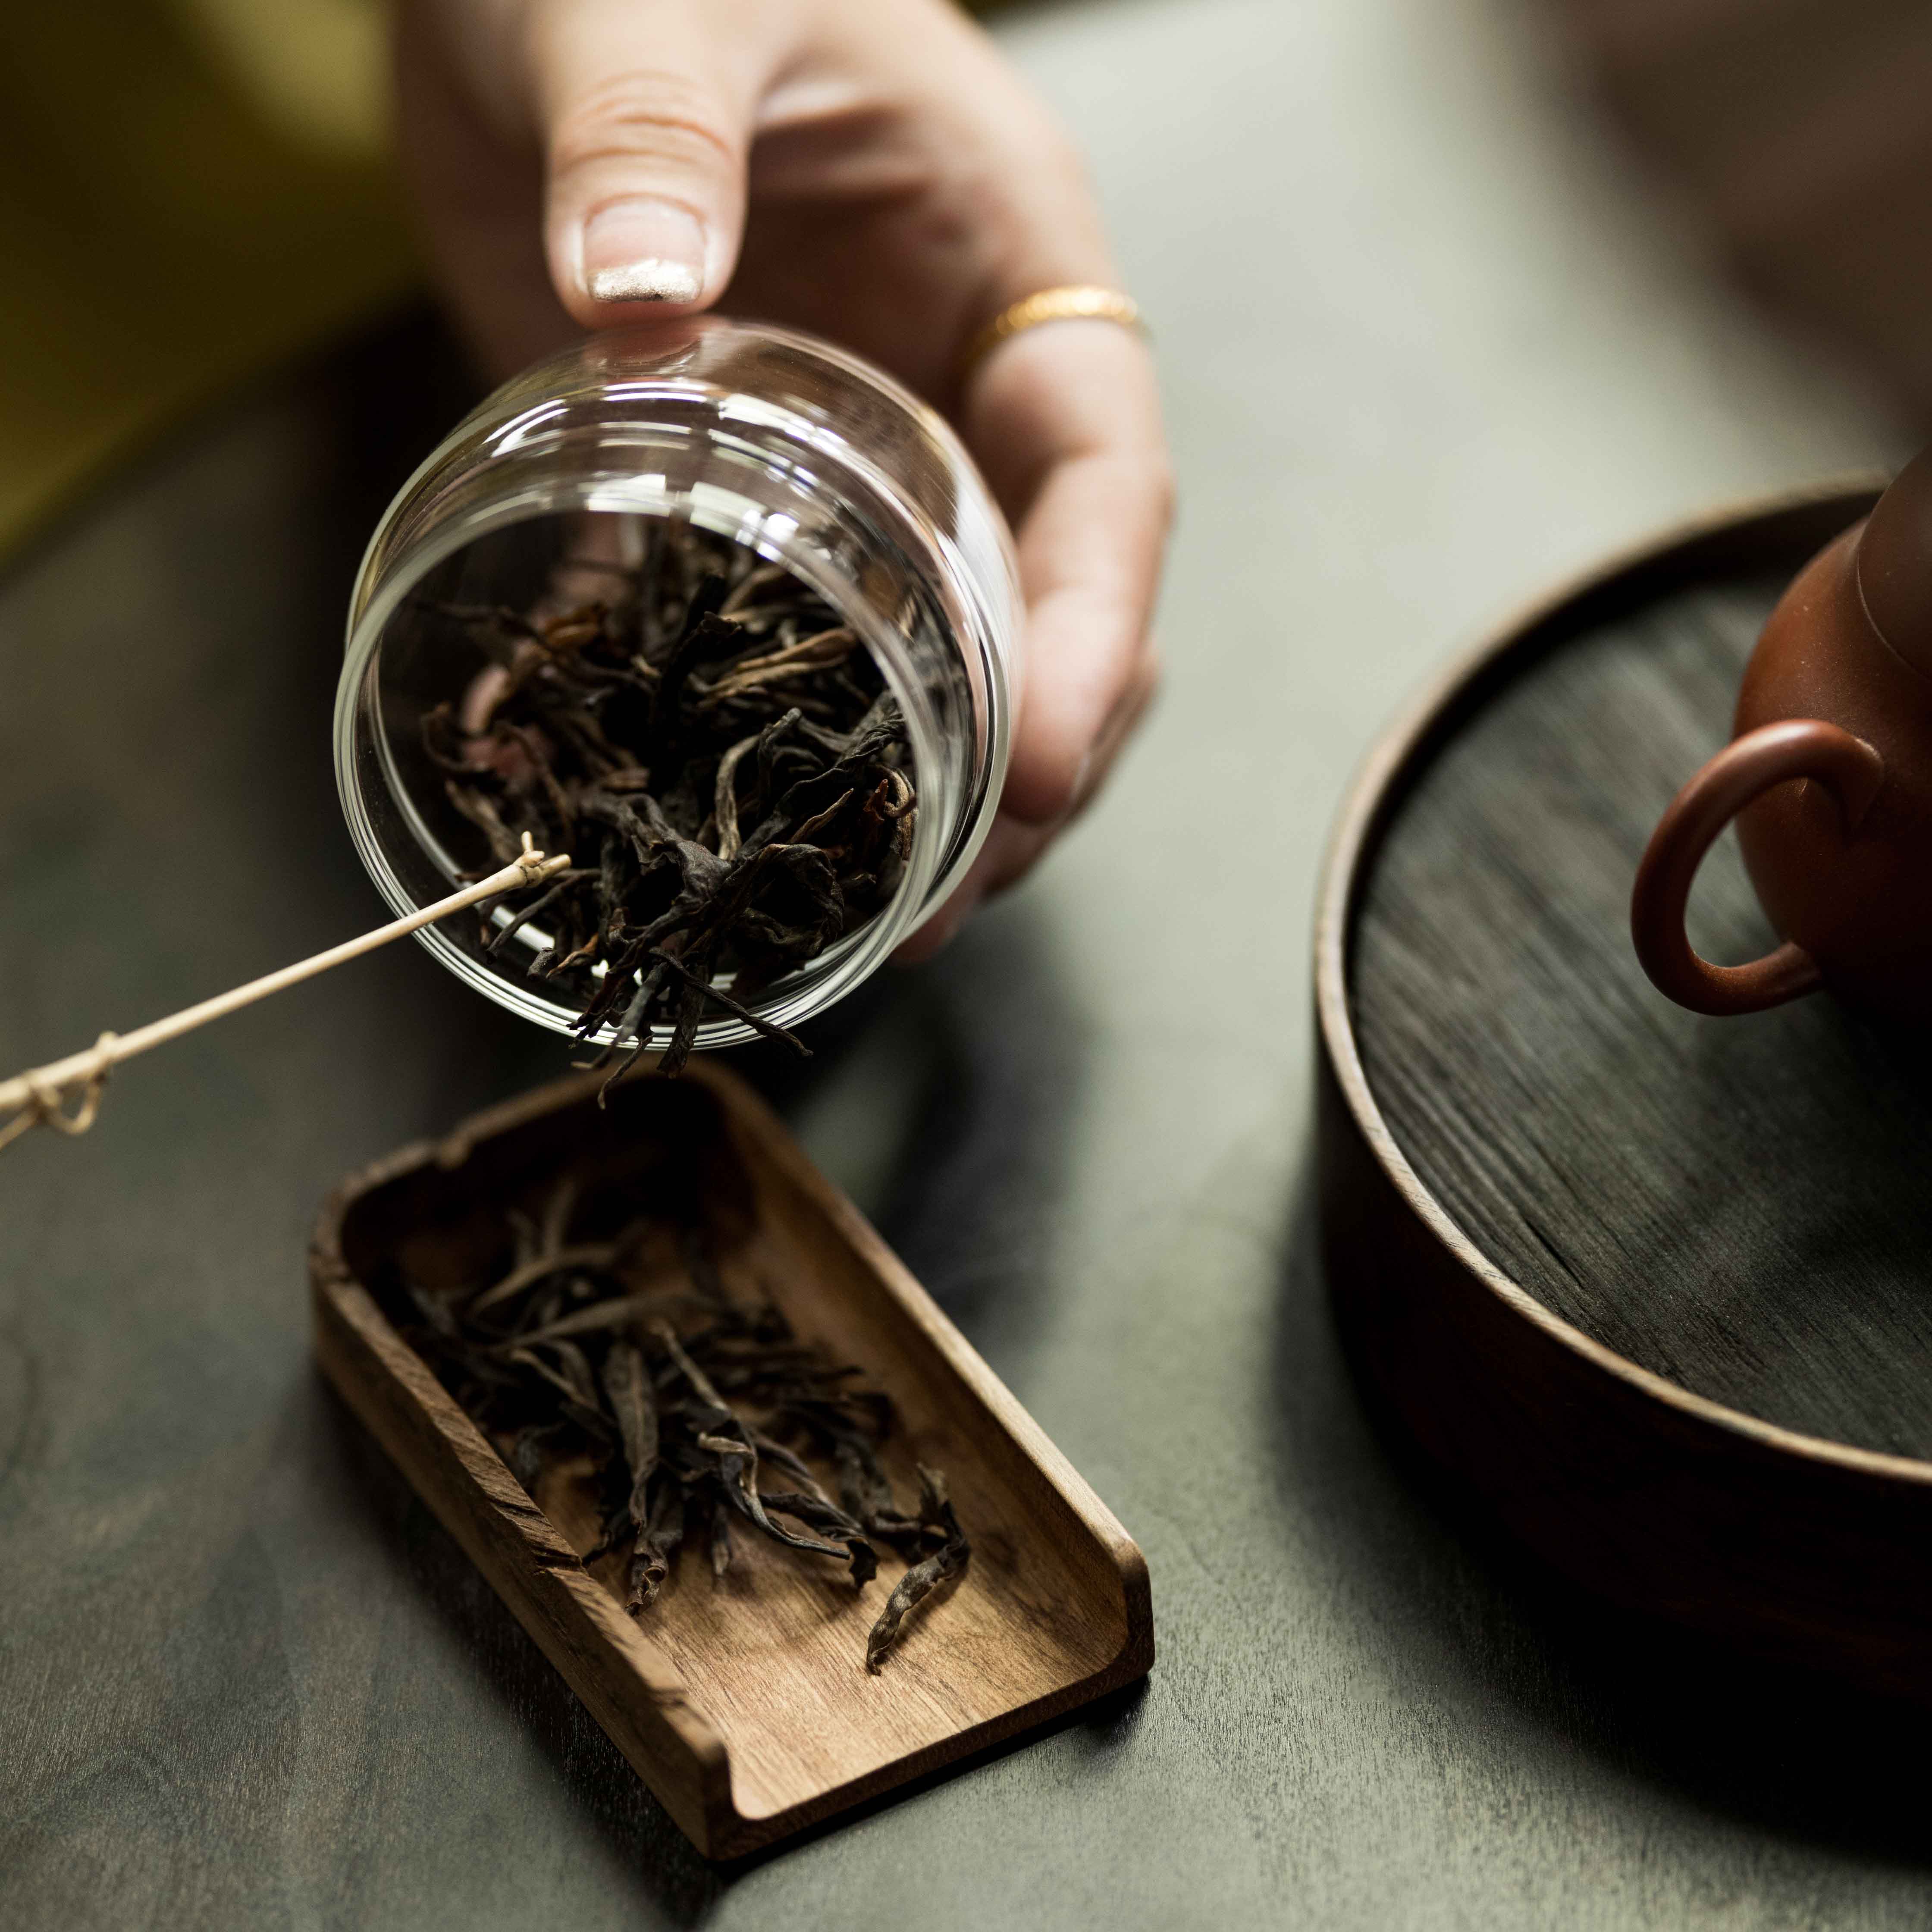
<point>970,1067</point>
<point>1764,1743</point>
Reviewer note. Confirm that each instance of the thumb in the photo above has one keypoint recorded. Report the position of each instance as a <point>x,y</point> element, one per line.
<point>647,117</point>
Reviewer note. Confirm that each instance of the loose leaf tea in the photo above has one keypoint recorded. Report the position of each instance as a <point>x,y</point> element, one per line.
<point>935,1514</point>
<point>717,750</point>
<point>698,1414</point>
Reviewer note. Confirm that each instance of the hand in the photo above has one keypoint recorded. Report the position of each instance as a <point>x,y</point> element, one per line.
<point>871,170</point>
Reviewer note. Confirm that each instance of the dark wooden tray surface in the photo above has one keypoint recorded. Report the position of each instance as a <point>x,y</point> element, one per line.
<point>1655,1290</point>
<point>1743,1206</point>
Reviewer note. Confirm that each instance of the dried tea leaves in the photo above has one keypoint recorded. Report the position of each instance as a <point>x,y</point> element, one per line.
<point>698,1415</point>
<point>936,1518</point>
<point>718,750</point>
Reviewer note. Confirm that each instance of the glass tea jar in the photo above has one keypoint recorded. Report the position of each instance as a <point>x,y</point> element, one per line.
<point>806,457</point>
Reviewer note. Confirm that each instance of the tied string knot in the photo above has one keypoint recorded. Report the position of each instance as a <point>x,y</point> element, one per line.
<point>45,1103</point>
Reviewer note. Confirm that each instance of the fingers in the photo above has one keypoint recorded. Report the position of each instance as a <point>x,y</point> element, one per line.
<point>1065,419</point>
<point>646,109</point>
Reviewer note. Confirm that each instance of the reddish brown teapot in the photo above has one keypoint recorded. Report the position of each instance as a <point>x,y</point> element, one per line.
<point>1830,777</point>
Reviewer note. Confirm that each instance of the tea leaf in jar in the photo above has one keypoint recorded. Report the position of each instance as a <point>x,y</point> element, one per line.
<point>743,787</point>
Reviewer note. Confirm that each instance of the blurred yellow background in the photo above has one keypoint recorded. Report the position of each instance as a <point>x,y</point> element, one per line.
<point>190,190</point>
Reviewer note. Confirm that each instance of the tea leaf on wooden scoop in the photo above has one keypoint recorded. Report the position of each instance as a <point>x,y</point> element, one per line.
<point>948,1561</point>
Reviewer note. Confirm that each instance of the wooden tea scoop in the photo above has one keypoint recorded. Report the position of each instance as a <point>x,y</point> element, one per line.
<point>35,1097</point>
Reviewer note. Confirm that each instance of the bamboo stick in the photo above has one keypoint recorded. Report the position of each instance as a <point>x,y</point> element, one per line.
<point>36,1097</point>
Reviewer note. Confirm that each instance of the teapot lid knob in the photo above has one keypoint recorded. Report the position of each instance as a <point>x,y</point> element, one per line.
<point>1894,564</point>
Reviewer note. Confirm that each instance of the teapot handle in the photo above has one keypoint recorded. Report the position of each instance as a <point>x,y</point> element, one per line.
<point>1850,769</point>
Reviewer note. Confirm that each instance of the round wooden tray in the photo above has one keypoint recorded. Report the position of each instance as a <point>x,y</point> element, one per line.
<point>1658,1289</point>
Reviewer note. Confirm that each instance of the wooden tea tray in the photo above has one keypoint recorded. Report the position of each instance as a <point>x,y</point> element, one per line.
<point>1657,1289</point>
<point>746,1705</point>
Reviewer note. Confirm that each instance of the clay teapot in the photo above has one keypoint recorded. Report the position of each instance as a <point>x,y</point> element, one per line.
<point>1829,776</point>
